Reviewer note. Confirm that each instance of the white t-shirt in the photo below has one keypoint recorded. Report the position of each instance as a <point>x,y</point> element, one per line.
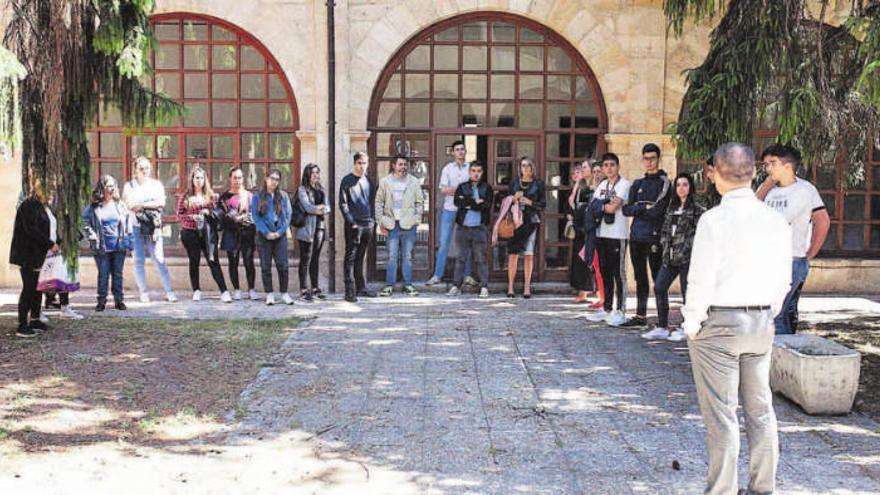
<point>53,225</point>
<point>452,176</point>
<point>620,228</point>
<point>149,192</point>
<point>797,203</point>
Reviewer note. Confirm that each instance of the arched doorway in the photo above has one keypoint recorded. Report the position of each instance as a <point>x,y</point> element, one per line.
<point>241,112</point>
<point>508,86</point>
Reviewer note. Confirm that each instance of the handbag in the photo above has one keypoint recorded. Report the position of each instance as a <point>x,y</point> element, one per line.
<point>570,232</point>
<point>506,226</point>
<point>56,277</point>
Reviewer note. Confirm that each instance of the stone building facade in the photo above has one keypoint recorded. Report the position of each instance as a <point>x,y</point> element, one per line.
<point>559,80</point>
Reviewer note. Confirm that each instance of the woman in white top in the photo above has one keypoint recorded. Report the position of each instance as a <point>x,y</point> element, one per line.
<point>145,197</point>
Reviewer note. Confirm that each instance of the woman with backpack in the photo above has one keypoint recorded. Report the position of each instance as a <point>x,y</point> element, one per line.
<point>308,212</point>
<point>272,211</point>
<point>677,239</point>
<point>239,233</point>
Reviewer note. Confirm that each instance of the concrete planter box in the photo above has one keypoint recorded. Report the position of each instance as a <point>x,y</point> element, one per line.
<point>819,375</point>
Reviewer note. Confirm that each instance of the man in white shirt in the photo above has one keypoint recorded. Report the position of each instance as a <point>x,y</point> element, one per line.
<point>802,206</point>
<point>741,272</point>
<point>611,241</point>
<point>453,174</point>
<point>141,194</point>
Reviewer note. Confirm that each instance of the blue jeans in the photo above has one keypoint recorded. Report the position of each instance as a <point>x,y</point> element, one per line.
<point>787,320</point>
<point>447,224</point>
<point>142,246</point>
<point>273,250</point>
<point>395,238</point>
<point>110,264</point>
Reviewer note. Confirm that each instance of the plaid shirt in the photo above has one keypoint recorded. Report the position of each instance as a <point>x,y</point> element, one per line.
<point>186,215</point>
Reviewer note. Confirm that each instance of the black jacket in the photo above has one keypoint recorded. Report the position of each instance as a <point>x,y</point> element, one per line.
<point>355,206</point>
<point>653,190</point>
<point>464,201</point>
<point>535,192</point>
<point>30,236</point>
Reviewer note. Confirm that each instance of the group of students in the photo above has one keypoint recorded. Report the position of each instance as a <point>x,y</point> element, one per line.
<point>396,205</point>
<point>660,235</point>
<point>238,222</point>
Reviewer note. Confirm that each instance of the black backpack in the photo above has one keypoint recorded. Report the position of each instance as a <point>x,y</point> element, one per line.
<point>298,214</point>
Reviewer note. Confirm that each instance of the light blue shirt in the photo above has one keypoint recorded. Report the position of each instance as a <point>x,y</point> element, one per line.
<point>473,218</point>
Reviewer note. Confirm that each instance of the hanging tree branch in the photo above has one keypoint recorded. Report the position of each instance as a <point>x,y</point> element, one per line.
<point>77,54</point>
<point>771,65</point>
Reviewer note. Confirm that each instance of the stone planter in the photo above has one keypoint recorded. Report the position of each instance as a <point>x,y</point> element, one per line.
<point>819,375</point>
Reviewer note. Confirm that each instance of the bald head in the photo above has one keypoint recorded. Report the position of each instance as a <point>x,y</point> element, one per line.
<point>735,163</point>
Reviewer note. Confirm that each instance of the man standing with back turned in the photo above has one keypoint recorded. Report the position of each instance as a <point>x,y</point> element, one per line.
<point>741,266</point>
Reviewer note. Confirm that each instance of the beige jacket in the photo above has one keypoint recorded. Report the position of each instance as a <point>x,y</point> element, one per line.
<point>413,203</point>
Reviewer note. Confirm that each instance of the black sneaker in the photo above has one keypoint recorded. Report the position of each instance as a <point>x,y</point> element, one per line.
<point>367,293</point>
<point>306,296</point>
<point>121,306</point>
<point>635,321</point>
<point>318,294</point>
<point>38,325</point>
<point>25,332</point>
<point>100,307</point>
<point>350,296</point>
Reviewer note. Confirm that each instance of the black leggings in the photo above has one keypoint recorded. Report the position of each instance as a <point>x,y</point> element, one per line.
<point>195,248</point>
<point>245,252</point>
<point>29,300</point>
<point>613,269</point>
<point>309,255</point>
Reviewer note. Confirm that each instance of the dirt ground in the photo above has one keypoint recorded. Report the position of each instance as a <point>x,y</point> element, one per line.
<point>863,335</point>
<point>140,381</point>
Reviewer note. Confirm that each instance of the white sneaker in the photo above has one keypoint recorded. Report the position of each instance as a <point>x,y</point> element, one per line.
<point>615,319</point>
<point>226,297</point>
<point>470,282</point>
<point>253,295</point>
<point>270,299</point>
<point>598,316</point>
<point>44,318</point>
<point>433,280</point>
<point>484,292</point>
<point>145,298</point>
<point>197,295</point>
<point>658,333</point>
<point>453,291</point>
<point>677,335</point>
<point>286,299</point>
<point>171,297</point>
<point>237,295</point>
<point>68,312</point>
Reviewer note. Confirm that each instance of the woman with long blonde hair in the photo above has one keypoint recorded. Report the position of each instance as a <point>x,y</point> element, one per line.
<point>528,190</point>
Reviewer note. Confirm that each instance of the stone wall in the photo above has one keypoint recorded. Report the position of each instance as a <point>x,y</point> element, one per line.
<point>639,69</point>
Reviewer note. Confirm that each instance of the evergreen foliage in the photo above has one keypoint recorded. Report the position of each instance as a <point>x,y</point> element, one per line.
<point>76,54</point>
<point>777,64</point>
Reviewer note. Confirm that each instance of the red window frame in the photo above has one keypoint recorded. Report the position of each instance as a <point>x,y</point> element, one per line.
<point>271,73</point>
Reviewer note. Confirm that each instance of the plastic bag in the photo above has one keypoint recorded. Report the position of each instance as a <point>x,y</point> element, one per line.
<point>55,277</point>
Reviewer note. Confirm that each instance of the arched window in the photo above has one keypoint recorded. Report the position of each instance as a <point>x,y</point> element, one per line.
<point>508,86</point>
<point>240,112</point>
